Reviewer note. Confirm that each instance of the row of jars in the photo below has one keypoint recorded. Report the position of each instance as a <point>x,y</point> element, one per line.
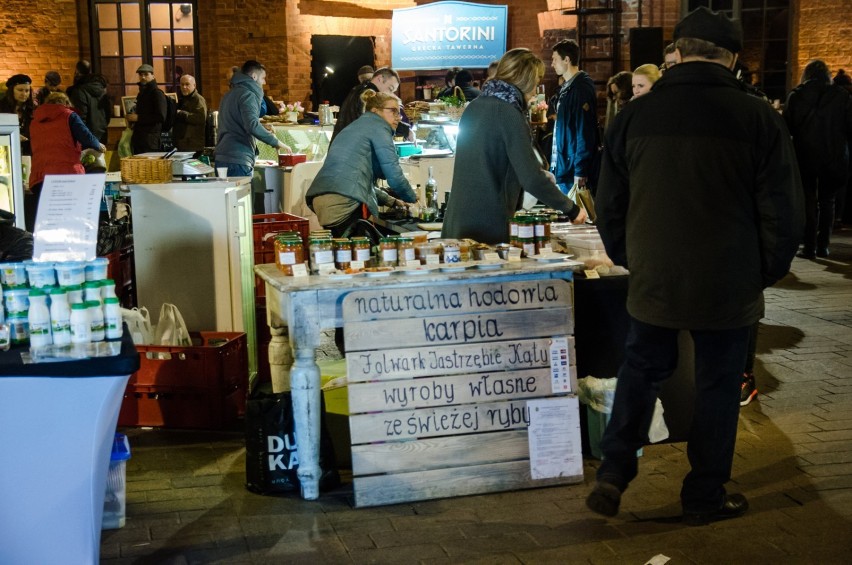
<point>341,252</point>
<point>530,232</point>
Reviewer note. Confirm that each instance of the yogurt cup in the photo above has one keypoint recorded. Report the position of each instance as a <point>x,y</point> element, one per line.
<point>17,301</point>
<point>41,275</point>
<point>13,275</point>
<point>70,273</point>
<point>96,269</point>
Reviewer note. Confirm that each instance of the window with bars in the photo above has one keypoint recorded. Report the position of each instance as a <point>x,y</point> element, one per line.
<point>766,30</point>
<point>128,33</point>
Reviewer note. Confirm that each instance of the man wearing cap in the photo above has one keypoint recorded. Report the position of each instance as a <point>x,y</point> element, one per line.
<point>700,199</point>
<point>150,113</point>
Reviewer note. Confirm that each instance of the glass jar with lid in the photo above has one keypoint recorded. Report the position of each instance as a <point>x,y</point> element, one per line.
<point>405,249</point>
<point>361,249</point>
<point>289,251</point>
<point>342,253</point>
<point>320,252</point>
<point>388,253</point>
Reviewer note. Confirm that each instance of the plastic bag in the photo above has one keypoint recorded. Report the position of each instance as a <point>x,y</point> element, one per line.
<point>124,147</point>
<point>600,393</point>
<point>171,329</point>
<point>597,393</point>
<point>139,325</point>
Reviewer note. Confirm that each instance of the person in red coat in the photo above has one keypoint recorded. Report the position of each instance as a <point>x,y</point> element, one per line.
<point>58,136</point>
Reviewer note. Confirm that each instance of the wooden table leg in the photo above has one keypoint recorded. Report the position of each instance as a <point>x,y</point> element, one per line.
<point>304,376</point>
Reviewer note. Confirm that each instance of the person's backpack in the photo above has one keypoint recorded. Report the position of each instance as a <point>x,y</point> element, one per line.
<point>171,114</point>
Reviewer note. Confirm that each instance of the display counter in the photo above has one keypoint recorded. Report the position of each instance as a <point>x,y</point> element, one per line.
<point>308,305</point>
<point>311,140</point>
<point>57,424</point>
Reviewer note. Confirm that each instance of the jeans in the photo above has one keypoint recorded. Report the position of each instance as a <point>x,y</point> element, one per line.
<point>650,358</point>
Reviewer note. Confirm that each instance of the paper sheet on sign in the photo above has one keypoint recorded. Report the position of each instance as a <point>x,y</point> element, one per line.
<point>554,438</point>
<point>66,227</point>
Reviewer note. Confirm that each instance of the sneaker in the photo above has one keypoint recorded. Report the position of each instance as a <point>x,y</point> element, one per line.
<point>748,392</point>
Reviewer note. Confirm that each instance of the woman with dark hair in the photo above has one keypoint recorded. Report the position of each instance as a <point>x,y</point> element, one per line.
<point>495,162</point>
<point>819,116</point>
<point>19,100</point>
<point>344,191</point>
<point>619,89</point>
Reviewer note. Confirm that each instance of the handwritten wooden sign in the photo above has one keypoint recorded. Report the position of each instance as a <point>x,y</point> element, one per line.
<point>439,378</point>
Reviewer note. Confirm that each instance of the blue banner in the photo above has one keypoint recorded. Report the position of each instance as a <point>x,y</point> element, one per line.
<point>448,34</point>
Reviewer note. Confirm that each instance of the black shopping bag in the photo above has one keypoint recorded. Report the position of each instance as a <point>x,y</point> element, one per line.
<point>271,457</point>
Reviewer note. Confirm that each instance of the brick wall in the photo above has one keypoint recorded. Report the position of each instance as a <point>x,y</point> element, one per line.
<point>821,30</point>
<point>38,37</point>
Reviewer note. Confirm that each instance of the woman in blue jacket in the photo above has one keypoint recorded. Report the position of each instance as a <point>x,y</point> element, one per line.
<point>345,191</point>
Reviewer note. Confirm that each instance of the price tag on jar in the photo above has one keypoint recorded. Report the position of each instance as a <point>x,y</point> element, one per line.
<point>433,259</point>
<point>491,256</point>
<point>300,270</point>
<point>356,265</point>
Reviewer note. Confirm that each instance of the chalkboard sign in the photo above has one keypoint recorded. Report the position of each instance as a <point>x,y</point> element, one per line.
<point>439,379</point>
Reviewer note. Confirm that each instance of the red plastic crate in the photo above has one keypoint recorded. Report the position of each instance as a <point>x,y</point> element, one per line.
<point>201,386</point>
<point>265,227</point>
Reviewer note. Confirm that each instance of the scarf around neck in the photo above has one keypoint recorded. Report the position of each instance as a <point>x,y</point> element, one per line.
<point>505,92</point>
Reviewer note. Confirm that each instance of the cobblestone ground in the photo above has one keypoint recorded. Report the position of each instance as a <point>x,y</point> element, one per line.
<point>187,502</point>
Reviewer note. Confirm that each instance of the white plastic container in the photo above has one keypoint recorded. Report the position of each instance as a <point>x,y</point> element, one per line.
<point>19,329</point>
<point>112,318</point>
<point>115,501</point>
<point>96,269</point>
<point>81,328</point>
<point>75,293</point>
<point>60,316</point>
<point>96,319</point>
<point>40,275</point>
<point>108,289</point>
<point>92,292</point>
<point>39,319</point>
<point>70,272</point>
<point>13,275</point>
<point>17,301</point>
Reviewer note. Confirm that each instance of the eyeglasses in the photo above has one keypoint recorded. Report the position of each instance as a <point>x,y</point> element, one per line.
<point>394,110</point>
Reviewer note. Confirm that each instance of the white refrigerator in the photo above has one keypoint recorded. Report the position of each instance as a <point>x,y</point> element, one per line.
<point>193,247</point>
<point>11,170</point>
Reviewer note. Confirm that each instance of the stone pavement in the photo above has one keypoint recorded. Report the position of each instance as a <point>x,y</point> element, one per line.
<point>187,502</point>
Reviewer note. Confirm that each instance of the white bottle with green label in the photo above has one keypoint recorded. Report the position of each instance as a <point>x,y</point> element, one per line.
<point>112,318</point>
<point>39,319</point>
<point>60,316</point>
<point>81,327</point>
<point>96,318</point>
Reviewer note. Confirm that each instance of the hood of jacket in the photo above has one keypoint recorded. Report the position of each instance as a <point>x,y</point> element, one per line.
<point>94,84</point>
<point>50,112</point>
<point>240,80</point>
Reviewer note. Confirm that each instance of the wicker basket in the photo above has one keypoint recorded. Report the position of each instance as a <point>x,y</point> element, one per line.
<point>140,170</point>
<point>455,112</point>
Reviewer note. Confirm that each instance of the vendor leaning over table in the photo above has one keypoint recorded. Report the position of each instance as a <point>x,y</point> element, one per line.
<point>344,190</point>
<point>495,162</point>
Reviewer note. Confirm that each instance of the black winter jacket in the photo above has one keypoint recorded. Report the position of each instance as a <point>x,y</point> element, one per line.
<point>819,116</point>
<point>151,109</point>
<point>700,197</point>
<point>90,99</point>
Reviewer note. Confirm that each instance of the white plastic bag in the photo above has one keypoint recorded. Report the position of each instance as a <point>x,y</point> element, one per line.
<point>171,329</point>
<point>139,325</point>
<point>600,393</point>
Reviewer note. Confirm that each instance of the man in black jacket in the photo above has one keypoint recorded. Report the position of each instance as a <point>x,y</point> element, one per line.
<point>150,113</point>
<point>700,199</point>
<point>90,99</point>
<point>819,115</point>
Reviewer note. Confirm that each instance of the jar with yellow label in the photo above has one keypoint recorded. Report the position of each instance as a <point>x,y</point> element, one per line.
<point>361,249</point>
<point>288,252</point>
<point>405,250</point>
<point>342,253</point>
<point>388,254</point>
<point>320,252</point>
